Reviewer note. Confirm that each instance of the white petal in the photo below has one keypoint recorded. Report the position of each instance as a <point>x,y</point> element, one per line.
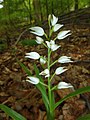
<point>47,75</point>
<point>52,42</point>
<point>33,80</point>
<point>48,44</point>
<point>54,20</point>
<point>63,85</point>
<point>37,31</point>
<point>63,34</point>
<point>45,72</point>
<point>57,27</point>
<point>1,1</point>
<point>54,47</point>
<point>39,40</point>
<point>32,55</point>
<point>1,6</point>
<point>42,60</point>
<point>64,59</point>
<point>60,70</point>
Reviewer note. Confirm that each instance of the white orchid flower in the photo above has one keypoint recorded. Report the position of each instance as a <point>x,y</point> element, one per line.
<point>33,80</point>
<point>45,72</point>
<point>60,70</point>
<point>37,31</point>
<point>39,40</point>
<point>1,6</point>
<point>63,34</point>
<point>52,45</point>
<point>57,27</point>
<point>53,20</point>
<point>63,85</point>
<point>32,55</point>
<point>1,1</point>
<point>42,60</point>
<point>64,59</point>
<point>48,44</point>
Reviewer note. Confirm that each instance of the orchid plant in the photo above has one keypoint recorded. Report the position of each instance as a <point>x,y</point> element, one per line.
<point>46,88</point>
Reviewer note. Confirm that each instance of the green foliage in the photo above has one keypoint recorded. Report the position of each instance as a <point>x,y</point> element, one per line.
<point>77,92</point>
<point>3,46</point>
<point>13,114</point>
<point>39,86</point>
<point>42,88</point>
<point>27,42</point>
<point>24,67</point>
<point>86,117</point>
<point>30,11</point>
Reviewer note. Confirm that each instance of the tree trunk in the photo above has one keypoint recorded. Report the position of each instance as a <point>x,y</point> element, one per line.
<point>76,5</point>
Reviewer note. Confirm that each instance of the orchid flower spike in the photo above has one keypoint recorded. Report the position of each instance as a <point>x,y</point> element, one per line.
<point>33,80</point>
<point>32,55</point>
<point>52,45</point>
<point>60,70</point>
<point>39,40</point>
<point>37,31</point>
<point>45,72</point>
<point>64,59</point>
<point>63,34</point>
<point>53,20</point>
<point>63,85</point>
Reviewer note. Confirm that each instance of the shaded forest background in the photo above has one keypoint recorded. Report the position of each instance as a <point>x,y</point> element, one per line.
<point>17,15</point>
<point>31,11</point>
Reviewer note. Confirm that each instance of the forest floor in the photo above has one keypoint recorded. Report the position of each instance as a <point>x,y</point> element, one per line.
<point>24,97</point>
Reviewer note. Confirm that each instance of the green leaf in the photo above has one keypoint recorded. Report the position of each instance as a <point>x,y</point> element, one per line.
<point>86,117</point>
<point>13,114</point>
<point>78,91</point>
<point>28,42</point>
<point>42,88</point>
<point>24,67</point>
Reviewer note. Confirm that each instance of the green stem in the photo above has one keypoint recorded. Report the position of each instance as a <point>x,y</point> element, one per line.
<point>46,36</point>
<point>53,63</point>
<point>49,85</point>
<point>52,77</point>
<point>50,115</point>
<point>45,45</point>
<point>43,84</point>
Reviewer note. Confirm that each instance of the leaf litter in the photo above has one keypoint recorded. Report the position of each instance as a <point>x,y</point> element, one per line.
<point>23,97</point>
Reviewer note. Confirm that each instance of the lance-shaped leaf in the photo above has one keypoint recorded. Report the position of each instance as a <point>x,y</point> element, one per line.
<point>63,85</point>
<point>37,31</point>
<point>33,80</point>
<point>63,34</point>
<point>76,92</point>
<point>60,70</point>
<point>42,88</point>
<point>10,112</point>
<point>32,55</point>
<point>64,59</point>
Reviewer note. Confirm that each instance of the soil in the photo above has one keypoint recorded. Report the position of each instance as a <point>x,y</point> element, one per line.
<point>24,97</point>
